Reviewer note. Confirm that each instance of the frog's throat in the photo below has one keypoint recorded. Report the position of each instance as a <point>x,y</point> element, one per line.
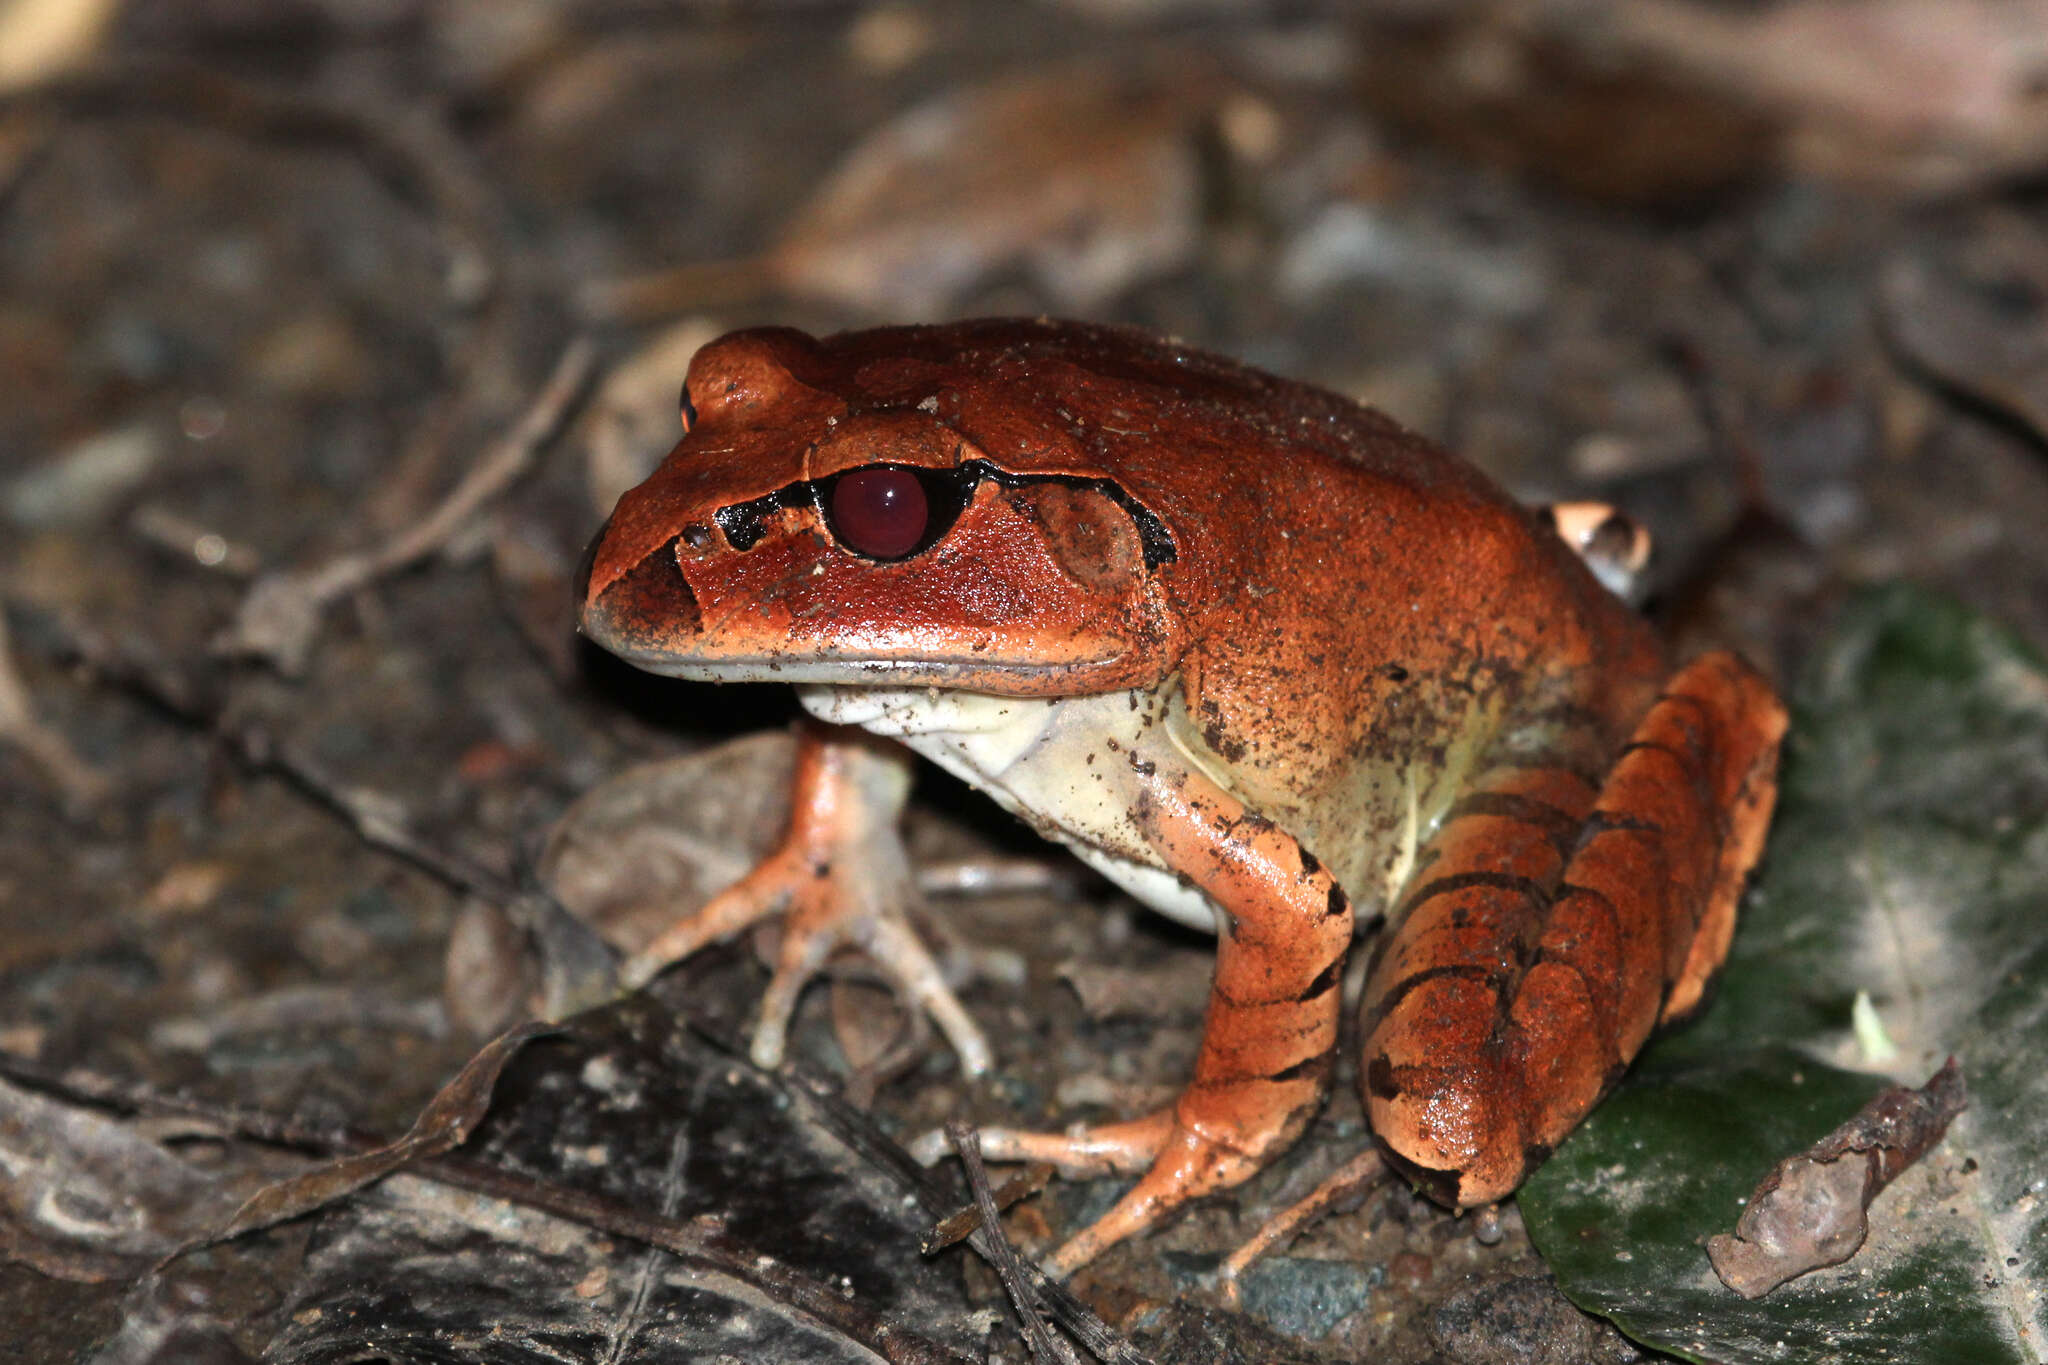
<point>1063,765</point>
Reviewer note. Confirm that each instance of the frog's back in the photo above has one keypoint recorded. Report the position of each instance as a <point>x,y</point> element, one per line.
<point>1048,396</point>
<point>1362,609</point>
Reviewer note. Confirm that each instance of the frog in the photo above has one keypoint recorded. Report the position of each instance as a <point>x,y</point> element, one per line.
<point>1276,666</point>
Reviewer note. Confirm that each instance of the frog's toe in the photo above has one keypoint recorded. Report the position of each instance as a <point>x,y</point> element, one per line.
<point>1080,1153</point>
<point>1356,1176</point>
<point>852,899</point>
<point>1188,1165</point>
<point>752,898</point>
<point>896,948</point>
<point>823,918</point>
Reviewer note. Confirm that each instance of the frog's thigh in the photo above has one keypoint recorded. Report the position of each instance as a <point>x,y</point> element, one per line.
<point>1543,943</point>
<point>1271,1031</point>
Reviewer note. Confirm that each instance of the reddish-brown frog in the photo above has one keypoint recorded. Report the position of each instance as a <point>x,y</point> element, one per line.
<point>1268,661</point>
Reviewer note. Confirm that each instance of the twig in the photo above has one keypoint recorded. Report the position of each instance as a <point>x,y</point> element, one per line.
<point>674,289</point>
<point>577,967</point>
<point>961,1224</point>
<point>180,535</point>
<point>81,785</point>
<point>997,877</point>
<point>281,614</point>
<point>1045,1348</point>
<point>1728,435</point>
<point>80,1086</point>
<point>858,1131</point>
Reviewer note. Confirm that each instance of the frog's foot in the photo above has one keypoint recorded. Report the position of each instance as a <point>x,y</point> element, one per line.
<point>1209,1141</point>
<point>1190,1164</point>
<point>839,878</point>
<point>1615,546</point>
<point>1270,1037</point>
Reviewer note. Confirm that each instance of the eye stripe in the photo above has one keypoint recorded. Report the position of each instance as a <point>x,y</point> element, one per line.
<point>948,491</point>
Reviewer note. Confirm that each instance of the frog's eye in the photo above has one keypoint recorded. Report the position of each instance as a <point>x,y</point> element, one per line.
<point>688,409</point>
<point>882,513</point>
<point>892,511</point>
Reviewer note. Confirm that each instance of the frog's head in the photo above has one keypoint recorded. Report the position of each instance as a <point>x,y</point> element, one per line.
<point>830,517</point>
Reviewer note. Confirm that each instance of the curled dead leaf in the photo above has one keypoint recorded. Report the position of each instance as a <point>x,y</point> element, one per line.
<point>1811,1210</point>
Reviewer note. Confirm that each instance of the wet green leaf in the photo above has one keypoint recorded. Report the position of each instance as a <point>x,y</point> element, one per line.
<point>1909,860</point>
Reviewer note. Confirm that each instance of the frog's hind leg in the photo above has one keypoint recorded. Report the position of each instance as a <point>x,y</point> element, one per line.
<point>1270,1036</point>
<point>1550,929</point>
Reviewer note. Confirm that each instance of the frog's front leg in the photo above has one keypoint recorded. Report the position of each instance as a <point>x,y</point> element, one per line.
<point>1269,1040</point>
<point>840,876</point>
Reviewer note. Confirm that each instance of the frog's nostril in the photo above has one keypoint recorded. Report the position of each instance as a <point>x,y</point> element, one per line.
<point>649,607</point>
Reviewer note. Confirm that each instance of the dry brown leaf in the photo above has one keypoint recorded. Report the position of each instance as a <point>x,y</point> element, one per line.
<point>1918,95</point>
<point>90,1198</point>
<point>1675,101</point>
<point>1810,1211</point>
<point>1086,177</point>
<point>1996,357</point>
<point>632,419</point>
<point>443,1125</point>
<point>646,847</point>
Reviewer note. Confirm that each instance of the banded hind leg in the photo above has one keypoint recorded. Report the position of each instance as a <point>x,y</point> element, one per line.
<point>1270,1035</point>
<point>1552,926</point>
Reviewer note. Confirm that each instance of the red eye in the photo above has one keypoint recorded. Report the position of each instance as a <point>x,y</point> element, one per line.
<point>881,512</point>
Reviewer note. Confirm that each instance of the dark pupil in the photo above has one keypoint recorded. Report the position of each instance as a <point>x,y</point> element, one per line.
<point>880,513</point>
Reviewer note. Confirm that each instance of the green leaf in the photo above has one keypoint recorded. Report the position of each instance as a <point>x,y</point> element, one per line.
<point>1909,860</point>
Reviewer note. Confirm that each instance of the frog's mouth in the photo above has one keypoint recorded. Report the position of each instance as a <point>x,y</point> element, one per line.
<point>651,619</point>
<point>779,611</point>
<point>996,677</point>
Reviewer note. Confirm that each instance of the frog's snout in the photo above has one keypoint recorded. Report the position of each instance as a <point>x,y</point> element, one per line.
<point>645,613</point>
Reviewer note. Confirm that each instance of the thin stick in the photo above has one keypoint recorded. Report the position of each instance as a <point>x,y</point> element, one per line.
<point>963,1223</point>
<point>857,1130</point>
<point>81,785</point>
<point>578,968</point>
<point>1045,1348</point>
<point>281,614</point>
